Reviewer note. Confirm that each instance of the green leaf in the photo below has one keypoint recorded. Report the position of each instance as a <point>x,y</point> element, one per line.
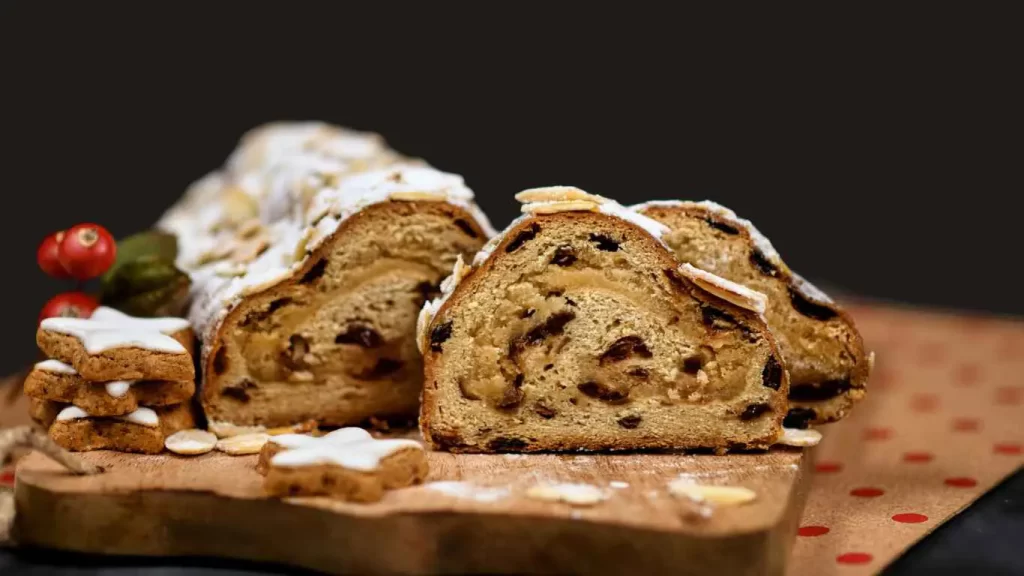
<point>148,244</point>
<point>146,286</point>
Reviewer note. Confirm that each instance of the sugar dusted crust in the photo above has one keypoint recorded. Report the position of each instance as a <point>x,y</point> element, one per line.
<point>310,254</point>
<point>825,353</point>
<point>563,355</point>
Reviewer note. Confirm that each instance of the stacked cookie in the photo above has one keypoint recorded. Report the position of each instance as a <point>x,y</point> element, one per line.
<point>113,381</point>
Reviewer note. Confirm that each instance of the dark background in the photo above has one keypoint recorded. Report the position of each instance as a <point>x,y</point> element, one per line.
<point>880,151</point>
<point>877,153</point>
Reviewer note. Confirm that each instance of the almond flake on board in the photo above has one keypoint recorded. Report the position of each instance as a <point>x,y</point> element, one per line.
<point>243,444</point>
<point>703,493</point>
<point>801,438</point>
<point>191,442</point>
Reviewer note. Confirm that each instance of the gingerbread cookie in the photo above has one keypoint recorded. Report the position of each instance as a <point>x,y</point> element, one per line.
<point>103,351</point>
<point>348,464</point>
<point>143,430</point>
<point>57,381</point>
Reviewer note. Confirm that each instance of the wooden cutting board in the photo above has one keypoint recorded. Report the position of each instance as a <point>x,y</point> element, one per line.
<point>212,505</point>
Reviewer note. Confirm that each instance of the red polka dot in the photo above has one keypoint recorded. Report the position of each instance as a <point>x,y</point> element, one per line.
<point>7,478</point>
<point>966,424</point>
<point>924,402</point>
<point>910,518</point>
<point>962,482</point>
<point>828,467</point>
<point>811,531</point>
<point>967,375</point>
<point>1012,449</point>
<point>854,558</point>
<point>1009,396</point>
<point>878,433</point>
<point>918,457</point>
<point>867,492</point>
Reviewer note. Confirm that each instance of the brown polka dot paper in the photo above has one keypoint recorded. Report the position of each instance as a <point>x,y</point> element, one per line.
<point>940,426</point>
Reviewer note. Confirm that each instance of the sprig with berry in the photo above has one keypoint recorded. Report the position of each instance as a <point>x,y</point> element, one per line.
<point>137,274</point>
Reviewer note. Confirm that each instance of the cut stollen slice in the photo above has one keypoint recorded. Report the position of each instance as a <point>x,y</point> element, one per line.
<point>828,365</point>
<point>314,316</point>
<point>579,330</point>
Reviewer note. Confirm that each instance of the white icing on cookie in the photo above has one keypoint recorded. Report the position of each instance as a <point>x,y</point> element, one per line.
<point>118,388</point>
<point>339,436</point>
<point>97,336</point>
<point>165,325</point>
<point>55,366</point>
<point>141,416</point>
<point>347,450</point>
<point>726,289</point>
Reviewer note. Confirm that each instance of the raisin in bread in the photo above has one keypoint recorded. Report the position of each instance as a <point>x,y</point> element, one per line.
<point>577,329</point>
<point>308,274</point>
<point>827,362</point>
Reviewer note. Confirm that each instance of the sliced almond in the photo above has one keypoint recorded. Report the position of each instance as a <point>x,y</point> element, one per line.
<point>720,495</point>
<point>418,196</point>
<point>558,194</point>
<point>726,289</point>
<point>795,437</point>
<point>575,494</point>
<point>243,444</point>
<point>219,253</point>
<point>560,206</point>
<point>249,250</point>
<point>238,206</point>
<point>190,442</point>
<point>227,429</point>
<point>249,228</point>
<point>230,269</point>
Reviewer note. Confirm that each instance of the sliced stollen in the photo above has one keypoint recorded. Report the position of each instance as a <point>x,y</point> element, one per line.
<point>57,381</point>
<point>828,365</point>
<point>309,265</point>
<point>143,430</point>
<point>577,329</point>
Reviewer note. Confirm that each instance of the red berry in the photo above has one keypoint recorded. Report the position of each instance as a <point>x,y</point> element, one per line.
<point>47,256</point>
<point>87,250</point>
<point>69,305</point>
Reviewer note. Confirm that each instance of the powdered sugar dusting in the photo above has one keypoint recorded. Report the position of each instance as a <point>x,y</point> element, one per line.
<point>294,183</point>
<point>810,291</point>
<point>761,242</point>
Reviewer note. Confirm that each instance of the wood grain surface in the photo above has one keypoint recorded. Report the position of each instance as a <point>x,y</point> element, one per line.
<point>212,505</point>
